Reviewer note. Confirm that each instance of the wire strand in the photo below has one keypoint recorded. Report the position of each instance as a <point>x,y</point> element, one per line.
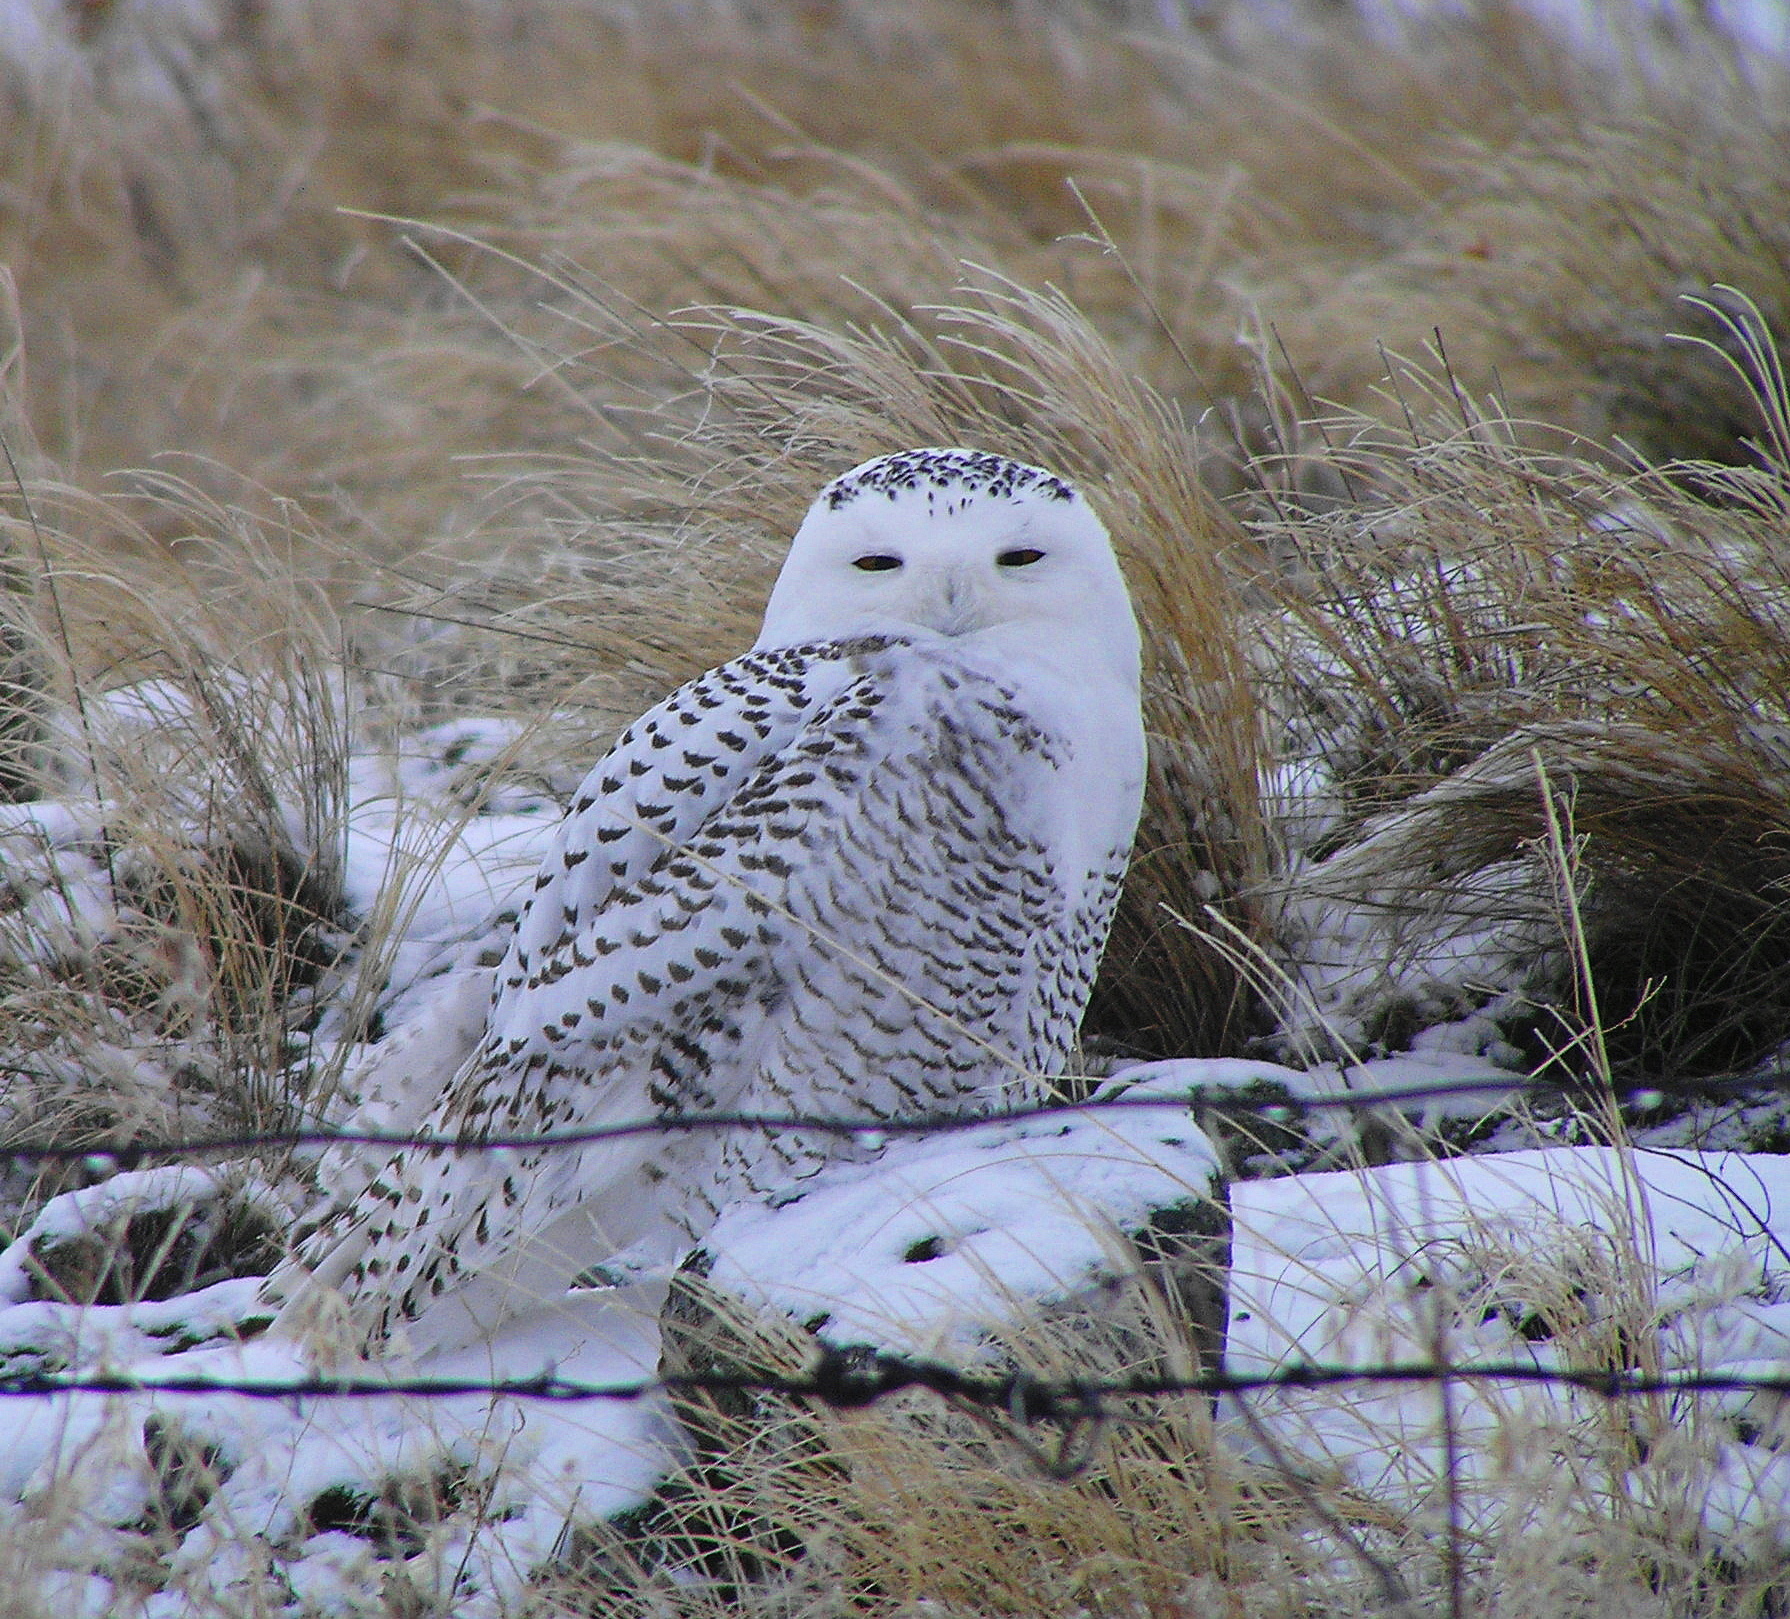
<point>1218,1101</point>
<point>843,1380</point>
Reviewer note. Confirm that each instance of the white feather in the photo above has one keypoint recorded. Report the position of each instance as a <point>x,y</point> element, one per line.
<point>865,869</point>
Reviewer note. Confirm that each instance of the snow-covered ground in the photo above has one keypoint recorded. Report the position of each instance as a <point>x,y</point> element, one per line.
<point>1543,1259</point>
<point>943,1247</point>
<point>936,1246</point>
<point>1577,1256</point>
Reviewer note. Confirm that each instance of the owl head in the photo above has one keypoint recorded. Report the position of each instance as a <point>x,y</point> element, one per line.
<point>960,544</point>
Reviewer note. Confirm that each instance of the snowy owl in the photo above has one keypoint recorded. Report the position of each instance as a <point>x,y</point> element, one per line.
<point>864,870</point>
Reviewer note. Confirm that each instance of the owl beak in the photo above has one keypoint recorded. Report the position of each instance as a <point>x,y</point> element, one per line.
<point>953,605</point>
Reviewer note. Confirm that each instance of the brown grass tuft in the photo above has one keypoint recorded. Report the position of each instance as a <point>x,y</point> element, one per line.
<point>365,367</point>
<point>1488,615</point>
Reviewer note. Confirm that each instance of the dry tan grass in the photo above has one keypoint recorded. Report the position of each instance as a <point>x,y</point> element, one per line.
<point>158,239</point>
<point>1491,614</point>
<point>1554,267</point>
<point>618,290</point>
<point>919,1508</point>
<point>161,933</point>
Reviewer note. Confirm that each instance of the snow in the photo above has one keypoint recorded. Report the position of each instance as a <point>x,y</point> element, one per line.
<point>1460,1083</point>
<point>181,1186</point>
<point>541,1463</point>
<point>941,1238</point>
<point>1544,1258</point>
<point>408,819</point>
<point>48,1334</point>
<point>53,855</point>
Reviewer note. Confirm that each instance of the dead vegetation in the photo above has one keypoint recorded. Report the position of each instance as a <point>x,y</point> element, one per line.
<point>367,366</point>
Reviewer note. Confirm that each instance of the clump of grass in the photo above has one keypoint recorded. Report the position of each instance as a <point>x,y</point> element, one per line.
<point>1486,615</point>
<point>913,1505</point>
<point>173,867</point>
<point>537,456</point>
<point>1553,1502</point>
<point>1556,268</point>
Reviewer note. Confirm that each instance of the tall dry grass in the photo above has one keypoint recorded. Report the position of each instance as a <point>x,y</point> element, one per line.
<point>535,450</point>
<point>366,367</point>
<point>1492,624</point>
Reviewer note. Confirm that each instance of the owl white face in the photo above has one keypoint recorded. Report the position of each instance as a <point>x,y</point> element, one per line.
<point>957,542</point>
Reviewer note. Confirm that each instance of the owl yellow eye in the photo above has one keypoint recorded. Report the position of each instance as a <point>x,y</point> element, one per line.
<point>1024,557</point>
<point>877,563</point>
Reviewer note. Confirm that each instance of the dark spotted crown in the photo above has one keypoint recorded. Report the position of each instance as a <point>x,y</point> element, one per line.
<point>947,472</point>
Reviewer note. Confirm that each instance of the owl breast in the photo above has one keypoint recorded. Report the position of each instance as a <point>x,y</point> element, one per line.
<point>899,940</point>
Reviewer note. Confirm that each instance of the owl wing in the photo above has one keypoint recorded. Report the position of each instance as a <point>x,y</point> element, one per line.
<point>645,934</point>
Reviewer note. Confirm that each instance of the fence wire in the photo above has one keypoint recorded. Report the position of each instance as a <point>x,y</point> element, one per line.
<point>1218,1102</point>
<point>851,1379</point>
<point>847,1381</point>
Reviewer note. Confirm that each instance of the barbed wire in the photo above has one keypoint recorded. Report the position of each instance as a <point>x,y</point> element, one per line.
<point>1217,1100</point>
<point>847,1380</point>
<point>850,1379</point>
